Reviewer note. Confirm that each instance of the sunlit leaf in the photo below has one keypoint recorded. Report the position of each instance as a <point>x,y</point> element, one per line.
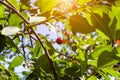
<point>112,72</point>
<point>15,4</point>
<point>103,74</point>
<point>16,62</point>
<point>14,20</point>
<point>92,78</point>
<point>46,5</point>
<point>95,54</point>
<point>100,9</point>
<point>83,61</point>
<point>2,13</point>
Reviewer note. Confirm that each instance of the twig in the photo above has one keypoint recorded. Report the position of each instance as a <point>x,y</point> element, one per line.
<point>24,53</point>
<point>37,36</point>
<point>70,57</point>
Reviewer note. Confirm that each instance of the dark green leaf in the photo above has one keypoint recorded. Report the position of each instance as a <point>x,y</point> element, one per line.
<point>43,62</point>
<point>11,43</point>
<point>73,71</point>
<point>95,54</point>
<point>2,42</point>
<point>31,76</point>
<point>80,24</point>
<point>102,23</point>
<point>106,59</point>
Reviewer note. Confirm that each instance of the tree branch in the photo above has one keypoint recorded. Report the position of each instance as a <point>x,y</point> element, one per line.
<point>37,36</point>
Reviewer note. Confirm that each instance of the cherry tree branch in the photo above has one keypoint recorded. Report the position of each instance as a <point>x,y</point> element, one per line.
<point>37,36</point>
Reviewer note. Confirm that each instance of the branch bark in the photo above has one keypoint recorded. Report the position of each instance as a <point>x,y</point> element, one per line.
<point>10,6</point>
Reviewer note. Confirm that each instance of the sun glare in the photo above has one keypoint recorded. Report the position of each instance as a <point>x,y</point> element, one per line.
<point>66,4</point>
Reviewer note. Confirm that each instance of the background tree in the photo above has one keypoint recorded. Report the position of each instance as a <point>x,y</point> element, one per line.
<point>87,31</point>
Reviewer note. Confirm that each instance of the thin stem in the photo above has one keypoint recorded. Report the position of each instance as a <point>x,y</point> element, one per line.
<point>24,53</point>
<point>37,36</point>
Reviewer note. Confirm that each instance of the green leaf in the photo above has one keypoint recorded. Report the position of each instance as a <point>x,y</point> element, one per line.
<point>11,44</point>
<point>43,62</point>
<point>38,51</point>
<point>95,54</point>
<point>2,15</point>
<point>115,13</point>
<point>102,23</point>
<point>48,45</point>
<point>92,78</point>
<point>2,42</point>
<point>65,77</point>
<point>2,58</point>
<point>111,72</point>
<point>100,9</point>
<point>46,5</point>
<point>16,62</point>
<point>106,59</point>
<point>73,71</point>
<point>31,76</point>
<point>83,61</point>
<point>2,11</point>
<point>26,2</point>
<point>80,24</point>
<point>15,3</point>
<point>117,52</point>
<point>14,20</point>
<point>105,75</point>
<point>117,3</point>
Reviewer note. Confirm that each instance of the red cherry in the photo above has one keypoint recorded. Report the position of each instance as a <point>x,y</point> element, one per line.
<point>118,41</point>
<point>75,7</point>
<point>59,40</point>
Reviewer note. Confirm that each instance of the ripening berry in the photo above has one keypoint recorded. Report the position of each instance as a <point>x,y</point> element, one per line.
<point>118,41</point>
<point>75,6</point>
<point>59,40</point>
<point>67,34</point>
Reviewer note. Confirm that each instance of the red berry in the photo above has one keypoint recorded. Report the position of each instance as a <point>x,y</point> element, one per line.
<point>59,40</point>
